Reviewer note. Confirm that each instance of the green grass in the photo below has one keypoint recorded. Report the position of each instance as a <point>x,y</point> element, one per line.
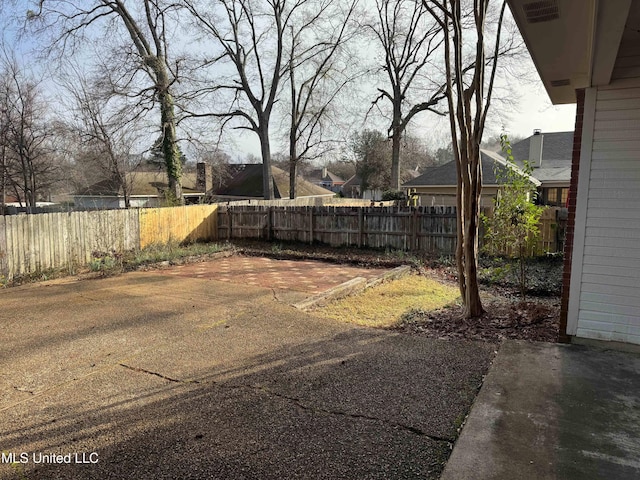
<point>385,304</point>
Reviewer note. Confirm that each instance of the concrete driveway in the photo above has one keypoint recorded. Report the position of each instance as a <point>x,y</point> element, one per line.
<point>151,376</point>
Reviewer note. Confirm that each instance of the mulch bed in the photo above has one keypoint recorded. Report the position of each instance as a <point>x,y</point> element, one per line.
<point>536,319</point>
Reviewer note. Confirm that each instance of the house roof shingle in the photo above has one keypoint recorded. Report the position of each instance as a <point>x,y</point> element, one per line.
<point>143,183</point>
<point>557,148</point>
<point>246,182</point>
<point>315,176</point>
<point>445,175</point>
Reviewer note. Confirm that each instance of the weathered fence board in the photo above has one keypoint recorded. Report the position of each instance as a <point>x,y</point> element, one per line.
<point>39,242</point>
<point>427,228</point>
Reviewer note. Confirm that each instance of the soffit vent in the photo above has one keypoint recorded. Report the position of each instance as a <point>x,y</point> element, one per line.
<point>560,83</point>
<point>541,11</point>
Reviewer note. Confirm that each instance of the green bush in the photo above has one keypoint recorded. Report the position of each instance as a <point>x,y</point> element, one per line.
<point>513,229</point>
<point>389,195</point>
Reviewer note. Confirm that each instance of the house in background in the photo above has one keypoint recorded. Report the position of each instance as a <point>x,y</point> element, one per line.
<point>438,185</point>
<point>245,183</point>
<point>145,189</point>
<point>550,156</point>
<point>588,52</point>
<point>325,179</point>
<point>352,188</point>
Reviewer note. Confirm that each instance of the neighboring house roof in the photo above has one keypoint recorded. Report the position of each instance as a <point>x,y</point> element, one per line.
<point>557,149</point>
<point>246,182</point>
<point>316,176</point>
<point>142,183</point>
<point>354,181</point>
<point>445,175</point>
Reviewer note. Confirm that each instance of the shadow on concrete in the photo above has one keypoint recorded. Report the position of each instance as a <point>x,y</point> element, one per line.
<point>352,404</point>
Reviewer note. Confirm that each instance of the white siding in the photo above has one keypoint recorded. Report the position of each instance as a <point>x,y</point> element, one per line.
<point>606,306</point>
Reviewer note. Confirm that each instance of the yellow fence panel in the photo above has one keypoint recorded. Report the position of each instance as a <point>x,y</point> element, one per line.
<point>184,224</point>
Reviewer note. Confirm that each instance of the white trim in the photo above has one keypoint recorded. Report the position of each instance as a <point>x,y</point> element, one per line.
<point>580,223</point>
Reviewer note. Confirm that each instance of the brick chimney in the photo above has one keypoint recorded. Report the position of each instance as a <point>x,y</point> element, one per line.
<point>204,177</point>
<point>535,148</point>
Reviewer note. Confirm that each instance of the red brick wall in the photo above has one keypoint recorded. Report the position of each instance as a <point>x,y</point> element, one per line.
<point>571,204</point>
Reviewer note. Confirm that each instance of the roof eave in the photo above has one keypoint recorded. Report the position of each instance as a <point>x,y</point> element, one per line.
<point>588,33</point>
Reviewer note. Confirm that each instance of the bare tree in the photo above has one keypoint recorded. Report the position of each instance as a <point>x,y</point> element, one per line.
<point>468,91</point>
<point>29,167</point>
<point>147,24</point>
<point>105,135</point>
<point>409,38</point>
<point>316,76</point>
<point>252,37</point>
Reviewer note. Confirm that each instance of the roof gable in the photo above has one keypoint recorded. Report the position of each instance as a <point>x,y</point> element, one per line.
<point>446,175</point>
<point>246,182</point>
<point>557,150</point>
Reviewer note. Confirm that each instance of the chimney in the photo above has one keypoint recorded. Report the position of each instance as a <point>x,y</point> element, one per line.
<point>535,148</point>
<point>324,172</point>
<point>204,177</point>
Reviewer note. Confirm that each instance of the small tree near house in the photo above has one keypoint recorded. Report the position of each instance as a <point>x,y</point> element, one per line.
<point>513,229</point>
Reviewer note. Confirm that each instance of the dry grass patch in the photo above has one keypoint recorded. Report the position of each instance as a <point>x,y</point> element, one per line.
<point>384,305</point>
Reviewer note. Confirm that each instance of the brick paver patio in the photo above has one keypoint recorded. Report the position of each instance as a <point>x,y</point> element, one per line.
<point>307,276</point>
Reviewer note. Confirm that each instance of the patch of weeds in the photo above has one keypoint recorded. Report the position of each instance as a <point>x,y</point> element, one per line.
<point>172,253</point>
<point>107,263</point>
<point>403,257</point>
<point>276,248</point>
<point>37,276</point>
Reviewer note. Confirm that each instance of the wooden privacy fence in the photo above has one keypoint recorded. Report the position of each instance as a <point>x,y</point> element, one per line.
<point>40,242</point>
<point>178,224</point>
<point>430,229</point>
<point>37,243</point>
<point>427,229</point>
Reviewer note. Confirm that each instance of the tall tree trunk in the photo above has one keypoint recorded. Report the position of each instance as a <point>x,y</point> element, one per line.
<point>396,137</point>
<point>170,147</point>
<point>293,166</point>
<point>473,304</point>
<point>265,150</point>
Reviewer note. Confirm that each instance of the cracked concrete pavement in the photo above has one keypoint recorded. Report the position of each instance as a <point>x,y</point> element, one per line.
<point>160,377</point>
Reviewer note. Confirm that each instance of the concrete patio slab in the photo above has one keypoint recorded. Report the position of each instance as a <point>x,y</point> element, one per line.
<point>549,411</point>
<point>158,376</point>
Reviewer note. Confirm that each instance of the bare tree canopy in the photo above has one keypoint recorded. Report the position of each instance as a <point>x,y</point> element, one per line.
<point>147,24</point>
<point>28,161</point>
<point>318,71</point>
<point>251,37</point>
<point>103,135</point>
<point>409,38</point>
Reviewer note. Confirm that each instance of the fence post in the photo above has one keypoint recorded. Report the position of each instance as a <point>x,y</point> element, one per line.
<point>269,223</point>
<point>311,220</point>
<point>414,229</point>
<point>4,258</point>
<point>229,223</point>
<point>361,226</point>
